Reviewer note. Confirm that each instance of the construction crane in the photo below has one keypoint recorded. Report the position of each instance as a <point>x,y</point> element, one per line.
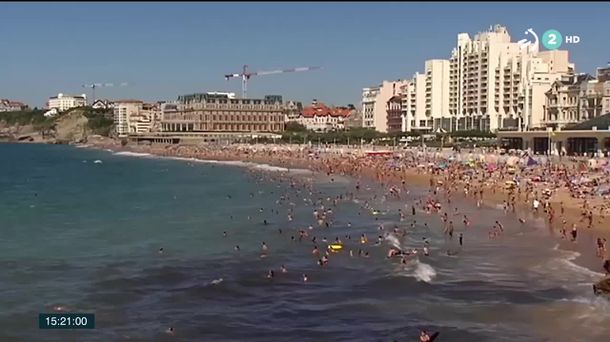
<point>92,86</point>
<point>245,75</point>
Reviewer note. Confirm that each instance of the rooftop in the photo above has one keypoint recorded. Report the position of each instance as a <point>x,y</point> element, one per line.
<point>320,109</point>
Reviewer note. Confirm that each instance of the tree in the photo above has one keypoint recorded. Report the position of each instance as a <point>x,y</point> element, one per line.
<point>293,126</point>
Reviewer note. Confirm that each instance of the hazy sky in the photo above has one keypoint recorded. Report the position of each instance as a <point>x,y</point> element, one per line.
<point>168,49</point>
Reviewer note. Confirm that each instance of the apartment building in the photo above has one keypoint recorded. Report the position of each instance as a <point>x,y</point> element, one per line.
<point>496,83</point>
<point>394,114</point>
<point>489,83</point>
<point>577,98</point>
<point>595,95</point>
<point>562,105</point>
<point>126,114</point>
<point>437,94</point>
<point>374,102</point>
<point>476,67</point>
<point>63,102</point>
<point>413,98</point>
<point>210,112</point>
<point>369,101</point>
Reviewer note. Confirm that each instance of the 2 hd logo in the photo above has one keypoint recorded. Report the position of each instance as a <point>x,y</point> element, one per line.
<point>552,39</point>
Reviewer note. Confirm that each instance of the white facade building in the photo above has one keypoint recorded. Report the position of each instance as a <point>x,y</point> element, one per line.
<point>126,111</point>
<point>437,94</point>
<point>63,102</point>
<point>496,83</point>
<point>413,95</point>
<point>374,101</point>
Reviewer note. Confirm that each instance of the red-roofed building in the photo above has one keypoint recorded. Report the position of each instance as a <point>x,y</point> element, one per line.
<point>12,106</point>
<point>320,117</point>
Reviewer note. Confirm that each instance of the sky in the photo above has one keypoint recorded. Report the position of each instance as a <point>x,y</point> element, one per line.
<point>168,49</point>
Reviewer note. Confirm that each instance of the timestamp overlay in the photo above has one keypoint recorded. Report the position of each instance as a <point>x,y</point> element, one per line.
<point>66,321</point>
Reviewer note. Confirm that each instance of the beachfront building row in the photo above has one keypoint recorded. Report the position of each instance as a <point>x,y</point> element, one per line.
<point>7,105</point>
<point>488,83</point>
<point>63,102</point>
<point>321,118</point>
<point>575,98</point>
<point>213,112</point>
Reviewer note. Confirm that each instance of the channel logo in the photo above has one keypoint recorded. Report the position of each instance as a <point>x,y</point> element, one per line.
<point>525,43</point>
<point>553,39</point>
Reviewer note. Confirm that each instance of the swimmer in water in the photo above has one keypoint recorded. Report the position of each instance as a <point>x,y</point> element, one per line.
<point>284,270</point>
<point>394,251</point>
<point>237,248</point>
<point>270,274</point>
<point>169,331</point>
<point>305,278</point>
<point>224,234</point>
<point>161,250</point>
<point>264,250</point>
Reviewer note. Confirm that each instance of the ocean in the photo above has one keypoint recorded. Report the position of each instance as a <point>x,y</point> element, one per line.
<point>86,236</point>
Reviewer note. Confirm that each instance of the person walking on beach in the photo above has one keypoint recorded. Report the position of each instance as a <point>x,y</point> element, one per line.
<point>574,233</point>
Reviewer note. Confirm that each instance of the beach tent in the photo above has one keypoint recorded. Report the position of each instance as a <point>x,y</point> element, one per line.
<point>531,162</point>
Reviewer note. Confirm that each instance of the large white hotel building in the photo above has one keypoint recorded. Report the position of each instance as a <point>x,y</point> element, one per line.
<point>488,83</point>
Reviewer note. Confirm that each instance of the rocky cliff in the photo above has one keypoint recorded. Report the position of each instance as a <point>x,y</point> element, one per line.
<point>73,126</point>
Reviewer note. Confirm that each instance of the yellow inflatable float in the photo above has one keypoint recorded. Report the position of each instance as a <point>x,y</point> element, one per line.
<point>335,247</point>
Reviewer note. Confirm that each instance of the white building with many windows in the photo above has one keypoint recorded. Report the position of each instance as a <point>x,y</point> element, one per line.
<point>437,94</point>
<point>496,83</point>
<point>374,102</point>
<point>125,112</point>
<point>63,102</point>
<point>413,94</point>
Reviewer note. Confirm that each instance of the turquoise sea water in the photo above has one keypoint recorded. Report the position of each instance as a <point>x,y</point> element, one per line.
<point>86,236</point>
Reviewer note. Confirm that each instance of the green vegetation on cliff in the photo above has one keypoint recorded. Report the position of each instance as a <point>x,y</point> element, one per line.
<point>25,117</point>
<point>99,120</point>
